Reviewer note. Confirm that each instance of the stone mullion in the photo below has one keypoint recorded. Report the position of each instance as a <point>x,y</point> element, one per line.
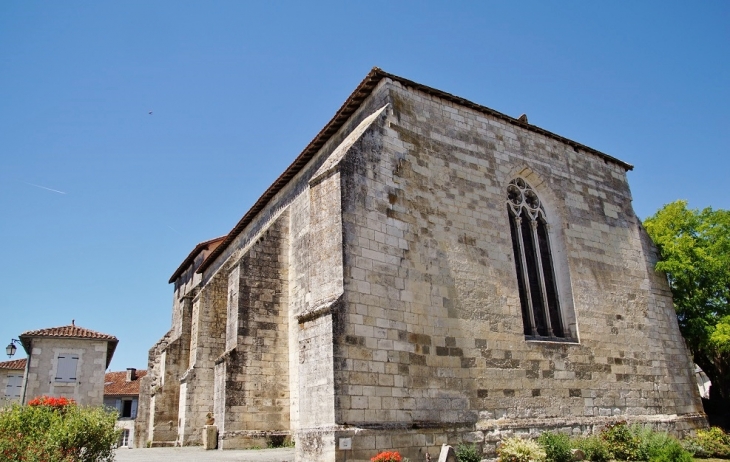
<point>525,275</point>
<point>541,278</point>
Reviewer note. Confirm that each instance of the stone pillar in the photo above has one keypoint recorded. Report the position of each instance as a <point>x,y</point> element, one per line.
<point>207,342</point>
<point>210,437</point>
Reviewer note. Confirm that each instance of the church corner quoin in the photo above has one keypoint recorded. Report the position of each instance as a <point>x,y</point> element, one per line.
<point>426,271</point>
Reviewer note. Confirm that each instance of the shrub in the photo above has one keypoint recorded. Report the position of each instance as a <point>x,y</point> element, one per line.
<point>516,449</point>
<point>622,442</point>
<point>670,451</point>
<point>556,446</point>
<point>594,448</point>
<point>714,443</point>
<point>467,453</point>
<point>693,447</point>
<point>635,442</point>
<point>659,446</point>
<point>387,456</point>
<point>53,430</point>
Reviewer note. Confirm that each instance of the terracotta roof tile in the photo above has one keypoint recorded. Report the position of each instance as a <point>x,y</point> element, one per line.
<point>15,364</point>
<point>70,331</point>
<point>115,383</point>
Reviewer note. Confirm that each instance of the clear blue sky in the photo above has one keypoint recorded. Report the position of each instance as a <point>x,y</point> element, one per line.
<point>238,89</point>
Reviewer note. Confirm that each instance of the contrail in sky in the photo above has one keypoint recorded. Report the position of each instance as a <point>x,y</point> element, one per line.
<point>43,187</point>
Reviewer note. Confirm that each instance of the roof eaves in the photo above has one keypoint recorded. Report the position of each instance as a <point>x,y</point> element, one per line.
<point>111,347</point>
<point>112,341</point>
<point>14,364</point>
<point>191,257</point>
<point>346,110</point>
<point>350,105</point>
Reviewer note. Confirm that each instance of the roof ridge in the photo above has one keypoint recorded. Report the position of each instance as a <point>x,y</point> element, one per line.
<point>351,104</point>
<point>69,331</point>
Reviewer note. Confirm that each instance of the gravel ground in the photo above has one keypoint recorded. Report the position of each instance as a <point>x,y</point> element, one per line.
<point>197,454</point>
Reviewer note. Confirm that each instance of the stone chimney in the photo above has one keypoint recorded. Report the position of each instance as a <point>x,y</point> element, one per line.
<point>131,374</point>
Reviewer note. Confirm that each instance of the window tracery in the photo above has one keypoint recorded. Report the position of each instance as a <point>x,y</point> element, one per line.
<point>541,313</point>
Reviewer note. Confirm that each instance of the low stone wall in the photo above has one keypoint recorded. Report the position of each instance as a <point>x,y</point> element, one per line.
<point>414,442</point>
<point>243,439</point>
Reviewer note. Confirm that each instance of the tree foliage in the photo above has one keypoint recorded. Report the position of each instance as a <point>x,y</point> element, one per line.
<point>694,249</point>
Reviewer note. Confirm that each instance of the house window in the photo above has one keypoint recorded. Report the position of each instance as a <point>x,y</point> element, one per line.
<point>124,438</point>
<point>127,408</point>
<point>66,369</point>
<point>541,315</point>
<point>14,386</point>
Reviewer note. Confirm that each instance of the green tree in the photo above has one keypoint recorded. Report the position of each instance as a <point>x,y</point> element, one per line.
<point>694,249</point>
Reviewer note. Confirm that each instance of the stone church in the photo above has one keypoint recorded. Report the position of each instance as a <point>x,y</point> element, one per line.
<point>427,271</point>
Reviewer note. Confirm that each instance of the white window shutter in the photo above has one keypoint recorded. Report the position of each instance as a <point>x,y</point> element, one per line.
<point>66,367</point>
<point>134,408</point>
<point>119,406</point>
<point>61,367</point>
<point>18,386</point>
<point>74,361</point>
<point>15,384</point>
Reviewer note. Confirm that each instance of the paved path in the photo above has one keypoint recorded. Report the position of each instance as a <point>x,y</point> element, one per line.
<point>196,454</point>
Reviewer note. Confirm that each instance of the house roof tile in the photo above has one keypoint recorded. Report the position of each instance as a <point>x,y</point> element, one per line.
<point>115,383</point>
<point>15,364</point>
<point>70,331</point>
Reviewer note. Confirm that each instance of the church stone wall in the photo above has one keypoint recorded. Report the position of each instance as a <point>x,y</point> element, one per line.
<point>208,336</point>
<point>252,376</point>
<point>160,411</point>
<point>433,334</point>
<point>375,297</point>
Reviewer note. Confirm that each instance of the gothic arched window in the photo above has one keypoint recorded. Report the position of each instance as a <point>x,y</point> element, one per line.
<point>534,263</point>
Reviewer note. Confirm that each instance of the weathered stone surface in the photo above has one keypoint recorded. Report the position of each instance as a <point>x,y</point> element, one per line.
<point>210,437</point>
<point>374,296</point>
<point>447,454</point>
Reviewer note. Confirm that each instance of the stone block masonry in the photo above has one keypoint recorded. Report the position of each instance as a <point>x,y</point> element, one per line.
<point>378,291</point>
<point>251,378</point>
<point>87,385</point>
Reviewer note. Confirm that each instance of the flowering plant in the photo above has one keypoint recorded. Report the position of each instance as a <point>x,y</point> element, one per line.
<point>387,456</point>
<point>52,402</point>
<point>57,430</point>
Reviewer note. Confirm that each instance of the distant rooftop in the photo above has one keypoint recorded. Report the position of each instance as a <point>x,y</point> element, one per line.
<point>116,384</point>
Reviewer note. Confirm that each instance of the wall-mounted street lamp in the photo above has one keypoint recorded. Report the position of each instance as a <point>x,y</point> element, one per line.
<point>11,348</point>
